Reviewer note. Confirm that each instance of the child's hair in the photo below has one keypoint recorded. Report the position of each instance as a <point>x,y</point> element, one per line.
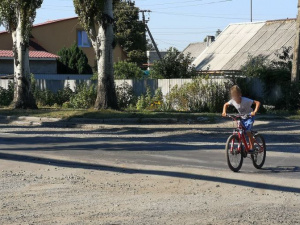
<point>236,89</point>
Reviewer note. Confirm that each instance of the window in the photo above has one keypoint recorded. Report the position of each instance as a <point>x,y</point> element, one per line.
<point>83,39</point>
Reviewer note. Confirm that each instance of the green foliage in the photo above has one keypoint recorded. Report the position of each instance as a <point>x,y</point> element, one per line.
<point>137,56</point>
<point>64,95</point>
<point>84,96</point>
<point>130,32</point>
<point>10,9</point>
<point>127,70</point>
<point>141,103</point>
<point>7,95</point>
<point>275,74</point>
<point>202,95</point>
<point>44,97</point>
<point>291,97</point>
<point>173,65</point>
<point>73,61</point>
<point>48,98</point>
<point>125,95</point>
<point>90,13</point>
<point>151,102</point>
<point>144,101</point>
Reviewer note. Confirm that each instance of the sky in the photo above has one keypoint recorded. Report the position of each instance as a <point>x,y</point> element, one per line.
<point>177,23</point>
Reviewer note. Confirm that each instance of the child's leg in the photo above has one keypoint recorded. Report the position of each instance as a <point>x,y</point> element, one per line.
<point>251,140</point>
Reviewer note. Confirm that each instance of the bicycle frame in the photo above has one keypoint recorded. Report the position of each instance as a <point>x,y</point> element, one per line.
<point>241,131</point>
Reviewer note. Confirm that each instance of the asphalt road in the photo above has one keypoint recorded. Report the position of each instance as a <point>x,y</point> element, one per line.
<point>191,146</point>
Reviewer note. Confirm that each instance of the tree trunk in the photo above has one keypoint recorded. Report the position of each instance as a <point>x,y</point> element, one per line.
<point>23,97</point>
<point>106,93</point>
<point>296,60</point>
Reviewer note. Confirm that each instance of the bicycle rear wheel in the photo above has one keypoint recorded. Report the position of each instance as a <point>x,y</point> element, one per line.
<point>233,153</point>
<point>259,156</point>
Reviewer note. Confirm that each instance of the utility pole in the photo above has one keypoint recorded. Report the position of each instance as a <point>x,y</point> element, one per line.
<point>251,10</point>
<point>296,60</point>
<point>149,32</point>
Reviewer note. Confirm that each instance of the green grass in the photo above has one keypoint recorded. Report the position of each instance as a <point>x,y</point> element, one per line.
<point>113,114</point>
<point>103,114</point>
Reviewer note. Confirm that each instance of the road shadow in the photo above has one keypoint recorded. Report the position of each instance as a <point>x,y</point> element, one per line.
<point>136,139</point>
<point>99,167</point>
<point>282,169</point>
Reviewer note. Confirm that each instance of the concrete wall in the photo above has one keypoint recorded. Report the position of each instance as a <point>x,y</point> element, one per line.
<point>36,66</point>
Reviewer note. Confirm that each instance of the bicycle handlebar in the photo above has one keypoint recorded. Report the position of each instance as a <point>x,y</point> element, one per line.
<point>239,116</point>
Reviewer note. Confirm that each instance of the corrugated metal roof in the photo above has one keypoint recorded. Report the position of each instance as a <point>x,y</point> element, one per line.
<point>195,49</point>
<point>234,45</point>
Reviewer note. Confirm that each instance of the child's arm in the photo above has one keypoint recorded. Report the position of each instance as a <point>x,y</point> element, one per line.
<point>226,105</point>
<point>257,106</point>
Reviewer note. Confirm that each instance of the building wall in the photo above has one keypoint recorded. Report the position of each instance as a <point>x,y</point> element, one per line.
<point>54,36</point>
<point>36,66</point>
<point>6,66</point>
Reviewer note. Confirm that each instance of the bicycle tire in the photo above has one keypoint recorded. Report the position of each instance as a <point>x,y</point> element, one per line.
<point>259,166</point>
<point>227,152</point>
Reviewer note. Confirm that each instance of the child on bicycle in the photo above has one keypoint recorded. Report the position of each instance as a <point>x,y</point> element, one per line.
<point>244,107</point>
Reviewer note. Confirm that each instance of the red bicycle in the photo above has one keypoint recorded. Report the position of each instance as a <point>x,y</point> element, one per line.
<point>237,147</point>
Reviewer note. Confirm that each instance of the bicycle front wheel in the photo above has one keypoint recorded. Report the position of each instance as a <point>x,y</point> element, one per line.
<point>233,153</point>
<point>259,156</point>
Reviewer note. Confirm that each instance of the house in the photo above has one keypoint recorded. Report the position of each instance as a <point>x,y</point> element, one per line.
<point>195,49</point>
<point>41,62</point>
<point>152,56</point>
<point>231,49</point>
<point>53,35</point>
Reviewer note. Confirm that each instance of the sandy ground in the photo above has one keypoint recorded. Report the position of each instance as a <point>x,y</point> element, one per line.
<point>41,194</point>
<point>47,192</point>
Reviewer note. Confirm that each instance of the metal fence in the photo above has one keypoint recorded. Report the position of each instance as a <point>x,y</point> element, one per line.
<point>59,81</point>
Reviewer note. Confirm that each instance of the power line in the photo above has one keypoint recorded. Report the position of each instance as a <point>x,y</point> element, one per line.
<point>208,3</point>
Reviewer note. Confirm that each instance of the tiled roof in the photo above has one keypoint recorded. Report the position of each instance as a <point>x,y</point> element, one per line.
<point>233,46</point>
<point>32,54</point>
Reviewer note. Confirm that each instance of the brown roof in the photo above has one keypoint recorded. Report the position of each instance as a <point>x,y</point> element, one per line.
<point>32,54</point>
<point>48,22</point>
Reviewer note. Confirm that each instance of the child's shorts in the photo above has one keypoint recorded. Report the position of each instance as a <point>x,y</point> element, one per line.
<point>248,123</point>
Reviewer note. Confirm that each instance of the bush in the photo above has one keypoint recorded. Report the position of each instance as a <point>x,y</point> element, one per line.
<point>144,101</point>
<point>48,98</point>
<point>276,73</point>
<point>84,97</point>
<point>202,95</point>
<point>127,70</point>
<point>137,56</point>
<point>173,65</point>
<point>73,61</point>
<point>64,95</point>
<point>44,97</point>
<point>125,95</point>
<point>7,95</point>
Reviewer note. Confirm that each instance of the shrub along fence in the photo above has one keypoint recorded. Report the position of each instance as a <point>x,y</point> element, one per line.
<point>58,82</point>
<point>198,94</point>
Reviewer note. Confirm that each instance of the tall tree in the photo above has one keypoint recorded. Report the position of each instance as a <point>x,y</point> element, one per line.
<point>296,59</point>
<point>96,17</point>
<point>18,16</point>
<point>130,32</point>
